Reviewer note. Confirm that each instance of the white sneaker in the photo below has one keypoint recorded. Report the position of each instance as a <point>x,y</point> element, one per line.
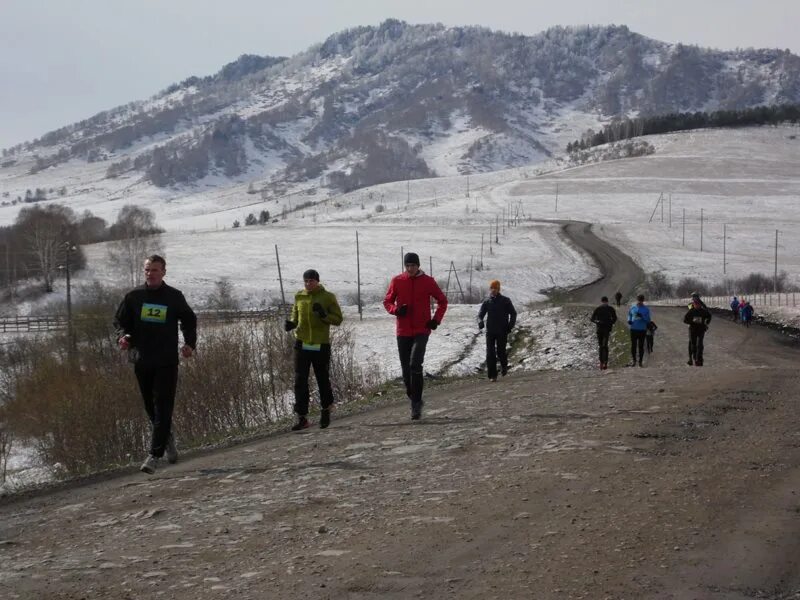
<point>149,465</point>
<point>171,451</point>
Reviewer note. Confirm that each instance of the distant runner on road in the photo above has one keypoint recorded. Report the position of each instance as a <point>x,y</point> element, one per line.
<point>500,319</point>
<point>618,297</point>
<point>638,318</point>
<point>604,316</point>
<point>697,318</point>
<point>649,338</point>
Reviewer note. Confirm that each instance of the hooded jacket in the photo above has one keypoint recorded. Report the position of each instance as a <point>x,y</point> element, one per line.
<point>150,317</point>
<point>500,314</point>
<point>415,292</point>
<point>311,329</point>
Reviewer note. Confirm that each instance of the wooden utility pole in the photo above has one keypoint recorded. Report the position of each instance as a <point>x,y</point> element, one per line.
<point>70,329</point>
<point>775,280</point>
<point>469,285</point>
<point>556,197</point>
<point>481,251</point>
<point>358,279</point>
<point>683,235</point>
<point>280,277</point>
<point>670,211</point>
<point>724,246</point>
<point>701,230</point>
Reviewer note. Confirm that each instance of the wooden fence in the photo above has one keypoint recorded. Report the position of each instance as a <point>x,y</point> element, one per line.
<point>41,323</point>
<point>776,299</point>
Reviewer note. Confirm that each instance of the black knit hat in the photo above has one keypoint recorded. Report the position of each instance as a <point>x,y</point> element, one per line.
<point>411,258</point>
<point>311,274</point>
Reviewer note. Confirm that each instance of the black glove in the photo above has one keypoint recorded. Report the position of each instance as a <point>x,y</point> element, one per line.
<point>432,324</point>
<point>401,310</point>
<point>289,325</point>
<point>317,308</point>
<point>480,324</point>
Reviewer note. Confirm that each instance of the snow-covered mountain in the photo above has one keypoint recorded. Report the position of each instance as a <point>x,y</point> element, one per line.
<point>388,103</point>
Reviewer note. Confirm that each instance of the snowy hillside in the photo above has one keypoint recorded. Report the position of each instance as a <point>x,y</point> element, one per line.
<point>379,104</point>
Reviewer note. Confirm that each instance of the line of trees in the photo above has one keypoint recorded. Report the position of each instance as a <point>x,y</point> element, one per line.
<point>622,129</point>
<point>43,238</point>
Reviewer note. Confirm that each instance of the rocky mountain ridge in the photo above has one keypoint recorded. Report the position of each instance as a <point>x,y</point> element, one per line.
<point>399,101</point>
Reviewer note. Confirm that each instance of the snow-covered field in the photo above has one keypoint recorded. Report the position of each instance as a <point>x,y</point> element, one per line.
<point>747,180</point>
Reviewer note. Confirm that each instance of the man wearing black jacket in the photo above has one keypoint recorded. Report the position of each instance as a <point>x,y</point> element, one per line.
<point>604,316</point>
<point>147,327</point>
<point>500,319</point>
<point>697,318</point>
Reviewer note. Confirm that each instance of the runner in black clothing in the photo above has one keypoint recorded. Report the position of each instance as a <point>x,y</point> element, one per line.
<point>618,297</point>
<point>147,327</point>
<point>500,318</point>
<point>649,338</point>
<point>697,318</point>
<point>604,316</point>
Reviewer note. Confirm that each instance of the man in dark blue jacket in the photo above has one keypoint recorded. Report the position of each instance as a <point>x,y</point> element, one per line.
<point>500,319</point>
<point>147,327</point>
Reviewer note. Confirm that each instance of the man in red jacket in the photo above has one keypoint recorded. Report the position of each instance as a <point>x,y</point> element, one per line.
<point>409,299</point>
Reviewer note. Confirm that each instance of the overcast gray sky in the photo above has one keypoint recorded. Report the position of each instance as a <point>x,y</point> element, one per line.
<point>64,60</point>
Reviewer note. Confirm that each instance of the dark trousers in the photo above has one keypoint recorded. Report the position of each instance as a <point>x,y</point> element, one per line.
<point>303,361</point>
<point>637,344</point>
<point>696,344</point>
<point>649,339</point>
<point>158,385</point>
<point>496,349</point>
<point>412,355</point>
<point>602,341</point>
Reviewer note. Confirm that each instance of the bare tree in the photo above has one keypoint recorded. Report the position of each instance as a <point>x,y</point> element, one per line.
<point>223,296</point>
<point>45,232</point>
<point>136,236</point>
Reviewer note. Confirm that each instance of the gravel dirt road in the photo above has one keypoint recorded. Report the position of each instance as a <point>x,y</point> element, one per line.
<point>663,482</point>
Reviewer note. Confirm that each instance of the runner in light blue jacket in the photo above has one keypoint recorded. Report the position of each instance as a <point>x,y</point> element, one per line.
<point>638,318</point>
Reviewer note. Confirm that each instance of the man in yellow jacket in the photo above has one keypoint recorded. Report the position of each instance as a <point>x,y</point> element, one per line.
<point>314,311</point>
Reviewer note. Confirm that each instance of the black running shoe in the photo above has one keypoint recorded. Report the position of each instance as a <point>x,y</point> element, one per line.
<point>324,418</point>
<point>690,362</point>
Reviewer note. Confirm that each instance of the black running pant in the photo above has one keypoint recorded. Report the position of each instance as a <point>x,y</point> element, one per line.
<point>637,343</point>
<point>496,349</point>
<point>412,355</point>
<point>303,361</point>
<point>649,339</point>
<point>602,341</point>
<point>696,344</point>
<point>158,385</point>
